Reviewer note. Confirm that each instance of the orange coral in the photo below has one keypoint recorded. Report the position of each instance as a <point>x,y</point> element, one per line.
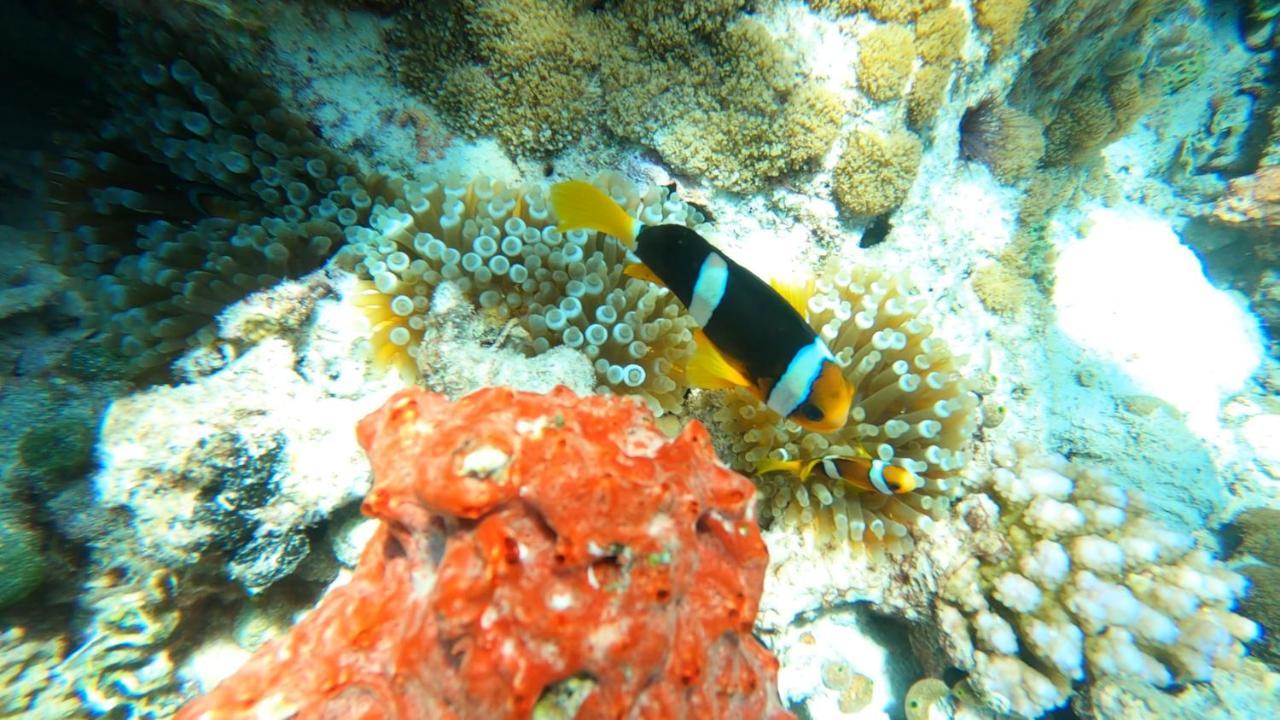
<point>527,540</point>
<point>1252,199</point>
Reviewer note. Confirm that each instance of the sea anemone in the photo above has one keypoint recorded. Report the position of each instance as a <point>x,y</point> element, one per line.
<point>912,409</point>
<point>1005,139</point>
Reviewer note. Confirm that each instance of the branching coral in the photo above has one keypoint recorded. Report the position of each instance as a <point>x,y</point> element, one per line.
<point>1073,582</point>
<point>500,245</point>
<point>531,546</point>
<point>875,170</point>
<point>201,191</point>
<point>1005,139</point>
<point>912,409</point>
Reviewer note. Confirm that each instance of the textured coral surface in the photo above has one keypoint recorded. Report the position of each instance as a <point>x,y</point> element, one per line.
<point>528,540</point>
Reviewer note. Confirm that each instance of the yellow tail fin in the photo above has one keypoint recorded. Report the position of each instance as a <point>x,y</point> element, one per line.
<point>580,204</point>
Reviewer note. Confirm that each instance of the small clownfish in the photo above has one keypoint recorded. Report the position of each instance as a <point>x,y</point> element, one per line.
<point>866,474</point>
<point>751,335</point>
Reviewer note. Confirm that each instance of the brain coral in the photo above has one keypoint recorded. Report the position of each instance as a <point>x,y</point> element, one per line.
<point>875,170</point>
<point>1073,582</point>
<point>500,245</point>
<point>912,409</point>
<point>528,543</point>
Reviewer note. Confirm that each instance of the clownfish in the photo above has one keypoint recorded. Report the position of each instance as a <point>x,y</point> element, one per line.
<point>866,474</point>
<point>750,335</point>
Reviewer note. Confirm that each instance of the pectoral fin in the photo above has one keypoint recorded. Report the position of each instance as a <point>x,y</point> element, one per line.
<point>640,271</point>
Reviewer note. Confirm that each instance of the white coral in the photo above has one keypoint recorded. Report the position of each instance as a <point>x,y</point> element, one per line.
<point>1095,587</point>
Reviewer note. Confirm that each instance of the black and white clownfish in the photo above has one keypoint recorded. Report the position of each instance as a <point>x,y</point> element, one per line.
<point>751,335</point>
<point>863,473</point>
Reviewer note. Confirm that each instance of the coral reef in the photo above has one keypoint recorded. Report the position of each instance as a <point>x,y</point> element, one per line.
<point>734,110</point>
<point>517,556</point>
<point>1259,530</point>
<point>520,71</point>
<point>1003,19</point>
<point>885,57</point>
<point>27,281</point>
<point>912,409</point>
<point>26,666</point>
<point>714,93</point>
<point>876,170</point>
<point>900,11</point>
<point>500,246</point>
<point>1263,604</point>
<point>928,90</point>
<point>940,34</point>
<point>22,561</point>
<point>462,352</point>
<point>229,472</point>
<point>1071,582</point>
<point>1005,139</point>
<point>1252,200</point>
<point>200,190</point>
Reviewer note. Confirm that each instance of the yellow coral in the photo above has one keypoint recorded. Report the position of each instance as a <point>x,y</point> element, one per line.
<point>520,71</point>
<point>912,409</point>
<point>900,11</point>
<point>885,56</point>
<point>713,92</point>
<point>734,111</point>
<point>1003,19</point>
<point>1083,124</point>
<point>940,34</point>
<point>928,90</point>
<point>1002,291</point>
<point>1005,139</point>
<point>876,171</point>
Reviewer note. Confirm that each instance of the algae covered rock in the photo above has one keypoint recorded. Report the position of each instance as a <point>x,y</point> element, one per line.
<point>526,540</point>
<point>22,562</point>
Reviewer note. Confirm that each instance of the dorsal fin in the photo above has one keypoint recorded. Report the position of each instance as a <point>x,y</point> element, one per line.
<point>795,293</point>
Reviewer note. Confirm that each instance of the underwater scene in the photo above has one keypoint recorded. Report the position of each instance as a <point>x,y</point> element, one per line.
<point>811,359</point>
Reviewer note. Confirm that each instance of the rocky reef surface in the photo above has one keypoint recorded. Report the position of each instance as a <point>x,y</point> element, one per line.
<point>1038,235</point>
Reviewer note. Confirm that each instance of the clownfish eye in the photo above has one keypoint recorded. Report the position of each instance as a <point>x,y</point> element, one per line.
<point>811,412</point>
